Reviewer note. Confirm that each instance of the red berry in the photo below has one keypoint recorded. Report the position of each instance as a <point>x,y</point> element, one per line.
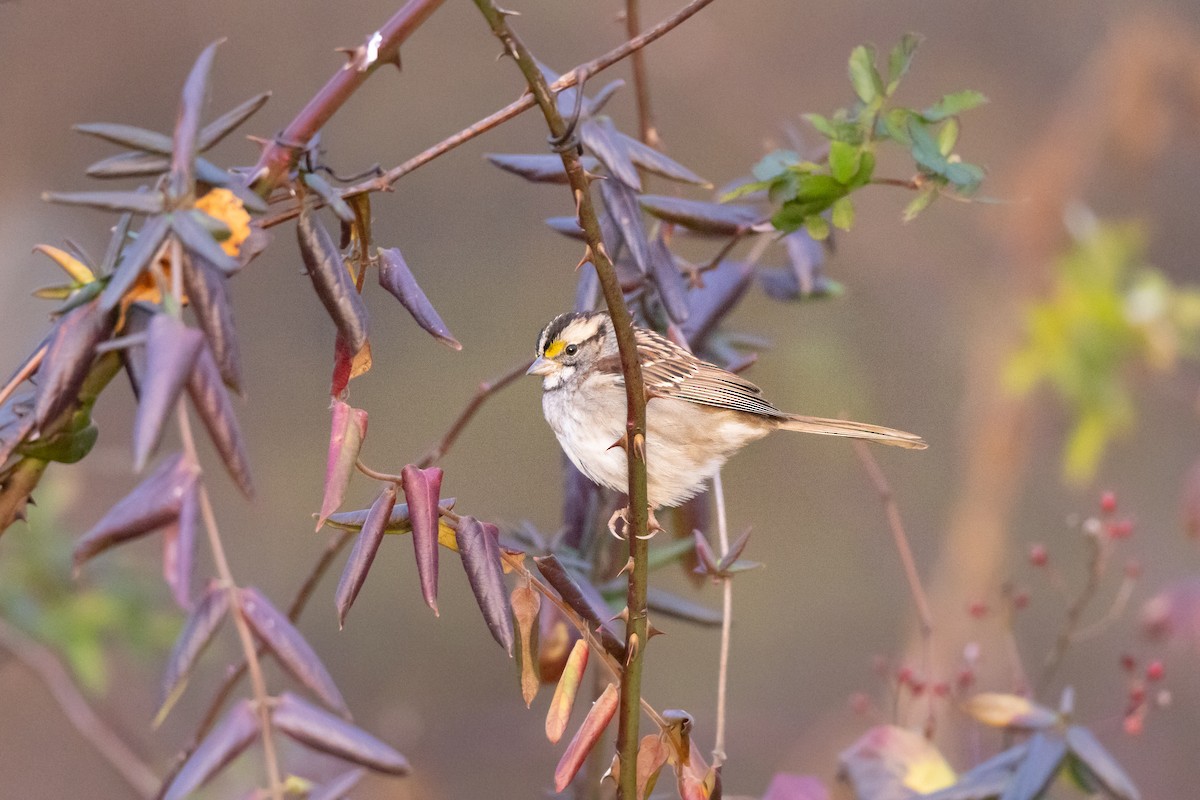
<point>1108,502</point>
<point>1120,529</point>
<point>1038,555</point>
<point>978,609</point>
<point>1133,725</point>
<point>1128,662</point>
<point>904,676</point>
<point>1154,671</point>
<point>941,689</point>
<point>1020,600</point>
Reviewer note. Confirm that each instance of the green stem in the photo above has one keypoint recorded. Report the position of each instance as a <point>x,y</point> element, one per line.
<point>636,626</point>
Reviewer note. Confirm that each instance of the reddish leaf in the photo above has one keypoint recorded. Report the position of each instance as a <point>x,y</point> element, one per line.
<point>695,779</point>
<point>363,554</point>
<point>786,786</point>
<point>711,218</point>
<point>134,261</point>
<point>525,604</point>
<point>347,431</point>
<point>171,349</point>
<point>155,502</point>
<point>588,605</point>
<point>602,139</point>
<point>704,553</point>
<point>422,488</point>
<point>68,358</point>
<point>291,649</point>
<point>585,738</point>
<point>322,731</point>
<point>197,632</point>
<point>537,168</point>
<point>398,280</point>
<point>651,756</point>
<point>479,546</point>
<point>559,713</point>
<point>331,279</point>
<point>179,550</point>
<point>211,401</point>
<point>556,638</point>
<point>225,742</point>
<point>209,297</point>
<point>337,788</point>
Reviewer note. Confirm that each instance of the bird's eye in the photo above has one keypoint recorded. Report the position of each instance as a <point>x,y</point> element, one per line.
<point>571,349</point>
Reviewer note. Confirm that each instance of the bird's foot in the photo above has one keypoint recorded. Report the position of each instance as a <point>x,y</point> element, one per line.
<point>622,514</point>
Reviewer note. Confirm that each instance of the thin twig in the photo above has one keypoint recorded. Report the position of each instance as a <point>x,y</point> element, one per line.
<point>896,525</point>
<point>719,754</point>
<point>1096,567</point>
<point>388,179</point>
<point>641,84</point>
<point>1120,601</point>
<point>42,662</point>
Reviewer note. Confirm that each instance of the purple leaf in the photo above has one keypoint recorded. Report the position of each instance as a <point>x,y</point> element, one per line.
<point>209,296</point>
<point>422,489</point>
<point>224,743</point>
<point>581,501</point>
<point>129,136</point>
<point>735,551</point>
<point>398,522</point>
<point>479,546</point>
<point>724,286</point>
<point>622,205</point>
<point>1035,774</point>
<point>332,280</point>
<point>68,358</point>
<point>179,550</point>
<point>602,139</point>
<point>197,632</point>
<point>171,349</point>
<point>337,788</point>
<point>212,403</point>
<point>721,219</point>
<point>363,554</point>
<point>704,553</point>
<point>225,124</point>
<point>322,731</point>
<point>156,502</point>
<point>657,162</point>
<point>134,261</point>
<point>1087,748</point>
<point>537,168</point>
<point>129,165</point>
<point>296,655</point>
<point>666,277</point>
<point>137,202</point>
<point>786,786</point>
<point>348,429</point>
<point>187,123</point>
<point>672,605</point>
<point>589,606</point>
<point>398,280</point>
<point>200,242</point>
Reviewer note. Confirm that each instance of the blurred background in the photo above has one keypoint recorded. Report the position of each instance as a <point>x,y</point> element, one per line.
<point>1090,103</point>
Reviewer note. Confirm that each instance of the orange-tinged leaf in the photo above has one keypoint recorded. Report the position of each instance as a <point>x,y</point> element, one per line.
<point>694,778</point>
<point>559,712</point>
<point>348,430</point>
<point>1002,710</point>
<point>224,205</point>
<point>586,737</point>
<point>555,640</point>
<point>525,603</point>
<point>652,755</point>
<point>78,271</point>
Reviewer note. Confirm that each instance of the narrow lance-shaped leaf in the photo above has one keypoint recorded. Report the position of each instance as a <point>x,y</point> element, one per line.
<point>322,731</point>
<point>332,281</point>
<point>622,205</point>
<point>187,123</point>
<point>225,124</point>
<point>526,603</point>
<point>556,638</point>
<point>134,202</point>
<point>735,551</point>
<point>398,280</point>
<point>666,277</point>
<point>289,646</point>
<point>705,555</point>
<point>210,173</point>
<point>129,165</point>
<point>209,297</point>
<point>720,219</point>
<point>134,261</point>
<point>591,609</point>
<point>199,241</point>
<point>544,168</point>
<point>197,632</point>
<point>1037,771</point>
<point>651,757</point>
<point>116,244</point>
<point>422,488</point>
<point>398,522</point>
<point>330,196</point>
<point>347,430</point>
<point>1087,748</point>
<point>127,136</point>
<point>75,267</point>
<point>212,403</point>
<point>479,546</point>
<point>155,502</point>
<point>672,605</point>
<point>1002,710</point>
<point>68,358</point>
<point>179,550</point>
<point>600,136</point>
<point>171,349</point>
<point>223,744</point>
<point>363,554</point>
<point>658,162</point>
<point>559,712</point>
<point>585,738</point>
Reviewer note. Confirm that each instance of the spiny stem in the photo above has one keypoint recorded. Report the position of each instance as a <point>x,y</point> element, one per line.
<point>719,753</point>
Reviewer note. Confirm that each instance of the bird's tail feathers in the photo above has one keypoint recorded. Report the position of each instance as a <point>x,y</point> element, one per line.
<point>853,430</point>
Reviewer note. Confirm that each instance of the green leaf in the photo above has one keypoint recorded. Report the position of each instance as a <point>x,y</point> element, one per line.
<point>965,177</point>
<point>844,161</point>
<point>893,124</point>
<point>900,60</point>
<point>775,163</point>
<point>920,203</point>
<point>953,104</point>
<point>843,213</point>
<point>817,227</point>
<point>863,75</point>
<point>947,136</point>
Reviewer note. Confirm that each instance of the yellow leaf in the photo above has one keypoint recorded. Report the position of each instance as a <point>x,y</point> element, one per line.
<point>224,205</point>
<point>78,271</point>
<point>1002,710</point>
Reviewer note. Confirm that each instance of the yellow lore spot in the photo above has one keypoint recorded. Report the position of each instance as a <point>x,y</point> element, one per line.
<point>554,348</point>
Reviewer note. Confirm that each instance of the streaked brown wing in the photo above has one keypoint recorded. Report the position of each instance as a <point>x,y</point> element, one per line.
<point>670,371</point>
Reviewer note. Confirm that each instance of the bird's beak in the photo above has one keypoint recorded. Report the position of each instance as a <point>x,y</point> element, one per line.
<point>541,366</point>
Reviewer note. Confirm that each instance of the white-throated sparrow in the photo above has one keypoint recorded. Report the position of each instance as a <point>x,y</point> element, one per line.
<point>698,414</point>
